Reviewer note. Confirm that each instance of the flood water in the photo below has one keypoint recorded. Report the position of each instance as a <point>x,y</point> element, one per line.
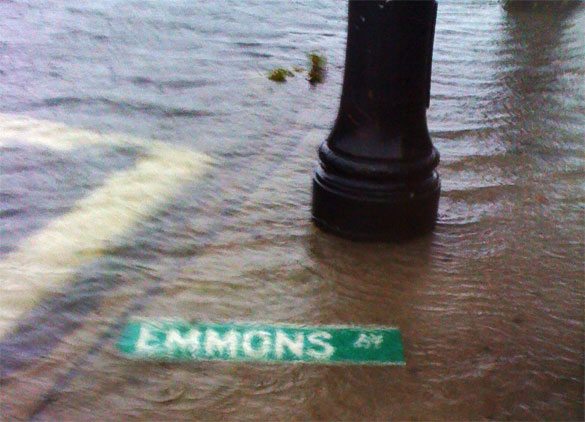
<point>149,168</point>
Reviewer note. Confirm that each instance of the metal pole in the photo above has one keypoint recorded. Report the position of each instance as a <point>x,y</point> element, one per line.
<point>376,177</point>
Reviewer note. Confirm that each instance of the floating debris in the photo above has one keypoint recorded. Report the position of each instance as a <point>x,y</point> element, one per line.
<point>280,74</point>
<point>317,64</point>
<point>315,73</point>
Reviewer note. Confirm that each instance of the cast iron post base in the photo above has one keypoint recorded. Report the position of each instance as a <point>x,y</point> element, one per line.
<point>374,209</point>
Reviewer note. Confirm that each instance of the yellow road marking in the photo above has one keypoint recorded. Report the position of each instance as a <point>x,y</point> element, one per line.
<point>55,135</point>
<point>44,262</point>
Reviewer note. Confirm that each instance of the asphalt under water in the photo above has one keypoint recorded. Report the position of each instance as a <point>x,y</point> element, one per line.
<point>491,305</point>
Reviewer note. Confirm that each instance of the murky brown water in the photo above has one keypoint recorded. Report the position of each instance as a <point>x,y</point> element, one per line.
<point>491,306</point>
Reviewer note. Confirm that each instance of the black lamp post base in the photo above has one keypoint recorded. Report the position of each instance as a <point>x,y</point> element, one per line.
<point>376,177</point>
<point>370,210</point>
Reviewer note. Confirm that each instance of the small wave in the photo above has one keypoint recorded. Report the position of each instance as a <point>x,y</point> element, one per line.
<point>173,84</point>
<point>126,106</point>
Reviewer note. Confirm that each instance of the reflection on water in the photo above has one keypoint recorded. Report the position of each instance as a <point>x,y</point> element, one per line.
<point>490,305</point>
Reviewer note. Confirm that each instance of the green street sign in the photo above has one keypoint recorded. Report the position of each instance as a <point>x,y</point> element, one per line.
<point>173,340</point>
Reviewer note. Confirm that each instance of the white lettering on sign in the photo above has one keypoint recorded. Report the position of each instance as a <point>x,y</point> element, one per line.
<point>295,345</point>
<point>318,339</point>
<point>189,341</point>
<point>365,341</point>
<point>254,343</point>
<point>259,351</point>
<point>215,343</point>
<point>142,344</point>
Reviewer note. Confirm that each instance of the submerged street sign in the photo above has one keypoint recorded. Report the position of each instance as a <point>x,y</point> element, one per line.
<point>180,341</point>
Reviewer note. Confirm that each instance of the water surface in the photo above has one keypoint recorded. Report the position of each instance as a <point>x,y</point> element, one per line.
<point>490,305</point>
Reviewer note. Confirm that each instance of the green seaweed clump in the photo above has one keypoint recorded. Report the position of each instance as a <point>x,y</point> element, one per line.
<point>279,74</point>
<point>317,67</point>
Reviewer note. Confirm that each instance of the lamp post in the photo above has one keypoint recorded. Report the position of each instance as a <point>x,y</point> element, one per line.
<point>376,177</point>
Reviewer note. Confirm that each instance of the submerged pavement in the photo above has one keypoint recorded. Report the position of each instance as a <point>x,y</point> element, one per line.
<point>490,306</point>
